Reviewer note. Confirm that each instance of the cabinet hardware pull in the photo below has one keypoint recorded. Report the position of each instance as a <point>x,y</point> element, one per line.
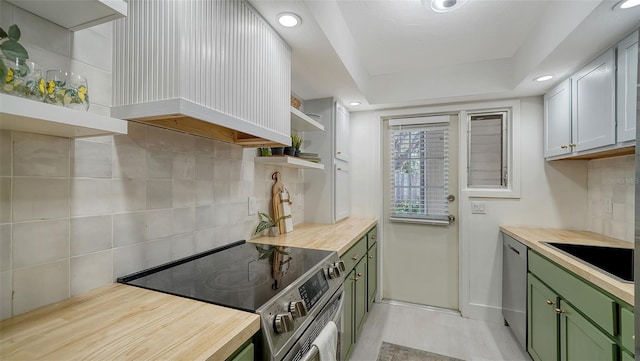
<point>370,257</point>
<point>563,146</point>
<point>559,310</point>
<point>359,274</point>
<point>549,302</point>
<point>572,144</point>
<point>374,237</point>
<point>355,258</point>
<point>355,279</point>
<point>339,152</point>
<point>339,168</point>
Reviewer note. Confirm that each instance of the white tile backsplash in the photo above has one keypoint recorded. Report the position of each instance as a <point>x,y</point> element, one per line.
<point>5,199</point>
<point>91,234</point>
<point>91,271</point>
<point>5,153</point>
<point>159,194</point>
<point>39,242</point>
<point>90,196</point>
<point>6,291</point>
<point>40,198</point>
<point>612,180</point>
<point>40,285</point>
<point>129,228</point>
<point>93,46</point>
<point>129,195</point>
<point>40,155</point>
<point>91,159</point>
<point>5,247</point>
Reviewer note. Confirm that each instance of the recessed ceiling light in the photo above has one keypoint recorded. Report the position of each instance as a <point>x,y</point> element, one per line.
<point>289,20</point>
<point>543,78</point>
<point>354,104</point>
<point>626,4</point>
<point>442,6</point>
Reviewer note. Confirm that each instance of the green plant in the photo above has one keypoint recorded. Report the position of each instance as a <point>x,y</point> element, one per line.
<point>296,140</point>
<point>11,48</point>
<point>267,222</point>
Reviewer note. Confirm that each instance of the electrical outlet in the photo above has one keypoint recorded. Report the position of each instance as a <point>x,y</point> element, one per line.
<point>253,206</point>
<point>607,205</point>
<point>478,207</point>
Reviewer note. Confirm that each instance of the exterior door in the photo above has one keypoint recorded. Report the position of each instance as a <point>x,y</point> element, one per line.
<point>420,260</point>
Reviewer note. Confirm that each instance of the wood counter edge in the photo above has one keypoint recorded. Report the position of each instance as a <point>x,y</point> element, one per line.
<point>621,290</point>
<point>341,245</point>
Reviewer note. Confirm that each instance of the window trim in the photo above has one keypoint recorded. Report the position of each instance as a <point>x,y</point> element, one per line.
<point>512,107</point>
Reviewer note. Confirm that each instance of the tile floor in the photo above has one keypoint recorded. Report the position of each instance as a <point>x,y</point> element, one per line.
<point>436,331</point>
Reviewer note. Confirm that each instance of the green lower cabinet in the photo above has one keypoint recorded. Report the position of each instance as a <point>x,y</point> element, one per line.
<point>627,332</point>
<point>360,295</point>
<point>542,342</point>
<point>626,357</point>
<point>372,275</point>
<point>580,340</point>
<point>245,354</point>
<point>348,336</point>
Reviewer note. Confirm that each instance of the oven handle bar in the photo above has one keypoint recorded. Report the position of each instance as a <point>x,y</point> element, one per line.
<point>313,351</point>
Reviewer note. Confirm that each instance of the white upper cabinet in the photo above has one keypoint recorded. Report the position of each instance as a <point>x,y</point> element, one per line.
<point>342,133</point>
<point>211,68</point>
<point>73,14</point>
<point>557,120</point>
<point>627,84</point>
<point>593,110</point>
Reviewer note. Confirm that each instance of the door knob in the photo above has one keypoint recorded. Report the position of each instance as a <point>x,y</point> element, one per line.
<point>451,218</point>
<point>451,198</point>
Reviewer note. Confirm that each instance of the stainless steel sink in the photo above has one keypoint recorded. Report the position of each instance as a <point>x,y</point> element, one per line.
<point>617,262</point>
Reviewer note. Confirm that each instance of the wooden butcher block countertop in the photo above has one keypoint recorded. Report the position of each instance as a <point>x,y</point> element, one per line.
<point>533,238</point>
<point>337,237</point>
<point>120,322</point>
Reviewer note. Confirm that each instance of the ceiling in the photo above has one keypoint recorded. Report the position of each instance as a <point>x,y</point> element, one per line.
<point>395,53</point>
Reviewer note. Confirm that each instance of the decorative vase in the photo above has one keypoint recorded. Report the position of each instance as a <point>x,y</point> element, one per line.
<point>67,89</point>
<point>274,231</point>
<point>265,152</point>
<point>289,151</point>
<point>297,153</point>
<point>277,150</point>
<point>22,78</point>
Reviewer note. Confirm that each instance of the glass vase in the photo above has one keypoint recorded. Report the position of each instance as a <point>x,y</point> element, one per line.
<point>67,89</point>
<point>22,78</point>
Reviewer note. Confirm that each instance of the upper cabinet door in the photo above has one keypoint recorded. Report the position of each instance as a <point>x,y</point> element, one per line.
<point>627,87</point>
<point>557,120</point>
<point>593,113</point>
<point>342,133</point>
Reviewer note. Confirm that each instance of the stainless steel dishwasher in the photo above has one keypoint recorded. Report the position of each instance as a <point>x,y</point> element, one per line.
<point>514,287</point>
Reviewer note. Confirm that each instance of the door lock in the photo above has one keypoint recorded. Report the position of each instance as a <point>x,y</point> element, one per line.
<point>451,218</point>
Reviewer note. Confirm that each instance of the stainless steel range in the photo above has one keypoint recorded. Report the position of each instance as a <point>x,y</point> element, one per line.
<point>296,291</point>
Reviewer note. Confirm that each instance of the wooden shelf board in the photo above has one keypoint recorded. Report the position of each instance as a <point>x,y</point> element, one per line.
<point>287,161</point>
<point>24,115</point>
<point>75,15</point>
<point>302,123</point>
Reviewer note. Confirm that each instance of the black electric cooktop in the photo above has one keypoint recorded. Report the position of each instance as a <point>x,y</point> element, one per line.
<point>613,260</point>
<point>241,275</point>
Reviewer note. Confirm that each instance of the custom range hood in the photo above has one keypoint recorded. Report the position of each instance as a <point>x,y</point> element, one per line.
<point>210,68</point>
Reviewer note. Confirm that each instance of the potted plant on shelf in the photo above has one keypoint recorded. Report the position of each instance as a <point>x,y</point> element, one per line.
<point>296,142</point>
<point>264,152</point>
<point>266,222</point>
<point>277,150</point>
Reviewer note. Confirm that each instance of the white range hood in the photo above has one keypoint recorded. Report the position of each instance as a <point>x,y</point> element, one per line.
<point>209,68</point>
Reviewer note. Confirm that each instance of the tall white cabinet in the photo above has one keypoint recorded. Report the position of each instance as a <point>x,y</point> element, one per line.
<point>627,88</point>
<point>328,196</point>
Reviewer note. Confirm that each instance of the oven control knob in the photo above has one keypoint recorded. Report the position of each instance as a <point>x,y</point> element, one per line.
<point>334,272</point>
<point>340,265</point>
<point>298,309</point>
<point>283,322</point>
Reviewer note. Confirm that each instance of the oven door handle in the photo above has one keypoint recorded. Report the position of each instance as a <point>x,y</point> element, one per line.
<point>313,351</point>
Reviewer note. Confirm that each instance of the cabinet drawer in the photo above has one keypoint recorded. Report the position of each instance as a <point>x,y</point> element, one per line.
<point>626,329</point>
<point>372,237</point>
<point>589,300</point>
<point>355,253</point>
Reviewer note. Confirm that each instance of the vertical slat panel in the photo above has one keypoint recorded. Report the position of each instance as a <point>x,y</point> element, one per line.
<point>219,54</point>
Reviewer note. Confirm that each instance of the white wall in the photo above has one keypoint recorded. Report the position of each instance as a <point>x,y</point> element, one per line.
<point>75,214</point>
<point>553,194</point>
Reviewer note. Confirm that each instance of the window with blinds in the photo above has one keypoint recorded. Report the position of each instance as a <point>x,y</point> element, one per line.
<point>419,161</point>
<point>487,160</point>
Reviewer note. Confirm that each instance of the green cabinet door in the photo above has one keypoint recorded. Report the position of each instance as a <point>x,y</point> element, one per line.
<point>372,274</point>
<point>360,301</point>
<point>246,354</point>
<point>542,321</point>
<point>348,335</point>
<point>580,340</point>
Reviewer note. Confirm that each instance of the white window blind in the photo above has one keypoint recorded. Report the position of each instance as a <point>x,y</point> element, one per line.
<point>419,172</point>
<point>487,160</point>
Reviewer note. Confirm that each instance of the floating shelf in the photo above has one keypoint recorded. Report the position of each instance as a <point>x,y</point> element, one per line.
<point>302,123</point>
<point>75,15</point>
<point>24,115</point>
<point>291,162</point>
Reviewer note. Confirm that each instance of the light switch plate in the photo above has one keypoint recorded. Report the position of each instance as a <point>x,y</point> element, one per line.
<point>252,206</point>
<point>607,205</point>
<point>478,207</point>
